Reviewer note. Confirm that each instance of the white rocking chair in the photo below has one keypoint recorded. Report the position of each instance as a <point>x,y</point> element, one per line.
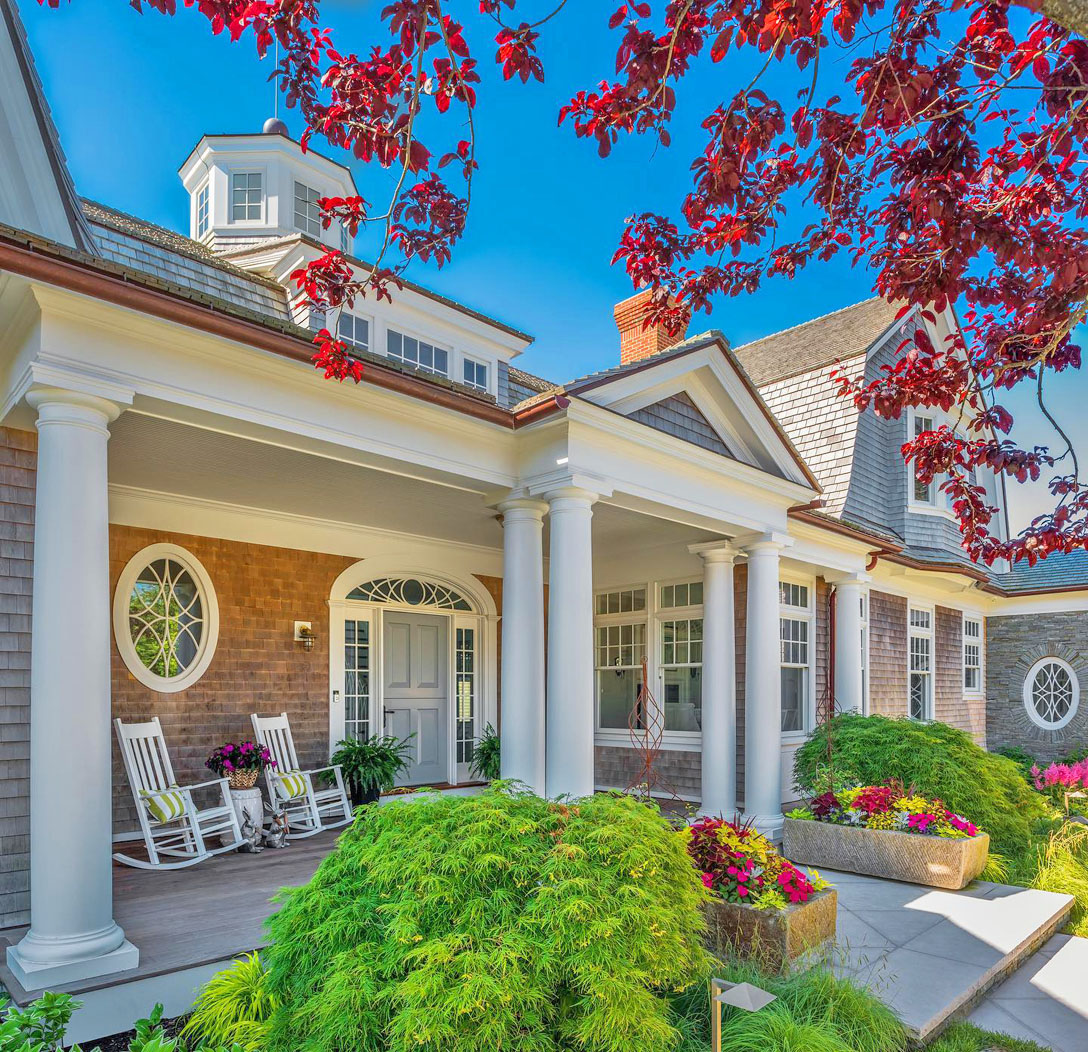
<point>175,830</point>
<point>309,809</point>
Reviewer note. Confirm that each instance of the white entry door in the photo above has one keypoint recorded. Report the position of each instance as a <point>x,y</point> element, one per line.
<point>415,678</point>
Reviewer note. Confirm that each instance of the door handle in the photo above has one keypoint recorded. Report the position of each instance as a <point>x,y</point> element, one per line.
<point>336,697</point>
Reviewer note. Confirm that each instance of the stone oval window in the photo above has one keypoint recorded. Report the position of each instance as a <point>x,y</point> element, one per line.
<point>1051,693</point>
<point>165,617</point>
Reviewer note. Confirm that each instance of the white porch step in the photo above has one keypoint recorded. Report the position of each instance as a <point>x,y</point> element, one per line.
<point>930,954</point>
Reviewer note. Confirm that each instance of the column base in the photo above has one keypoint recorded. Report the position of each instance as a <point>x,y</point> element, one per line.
<point>40,964</point>
<point>769,825</point>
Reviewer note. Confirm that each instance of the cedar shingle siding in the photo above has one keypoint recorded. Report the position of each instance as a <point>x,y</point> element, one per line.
<point>950,705</point>
<point>18,461</point>
<point>887,654</point>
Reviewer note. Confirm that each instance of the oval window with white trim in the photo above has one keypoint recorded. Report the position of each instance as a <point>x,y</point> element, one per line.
<point>165,617</point>
<point>1051,693</point>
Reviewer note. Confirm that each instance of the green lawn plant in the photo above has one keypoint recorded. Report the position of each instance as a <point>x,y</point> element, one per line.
<point>496,921</point>
<point>486,755</point>
<point>233,1009</point>
<point>965,1037</point>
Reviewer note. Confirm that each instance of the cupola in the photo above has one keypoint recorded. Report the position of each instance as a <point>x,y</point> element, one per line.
<point>249,188</point>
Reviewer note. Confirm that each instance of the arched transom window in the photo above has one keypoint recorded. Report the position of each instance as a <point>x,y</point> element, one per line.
<point>1051,693</point>
<point>410,591</point>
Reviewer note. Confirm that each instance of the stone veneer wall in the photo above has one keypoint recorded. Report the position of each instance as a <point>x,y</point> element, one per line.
<point>18,464</point>
<point>257,667</point>
<point>1013,645</point>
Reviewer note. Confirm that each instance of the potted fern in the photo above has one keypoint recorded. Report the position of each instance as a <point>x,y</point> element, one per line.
<point>371,766</point>
<point>485,757</point>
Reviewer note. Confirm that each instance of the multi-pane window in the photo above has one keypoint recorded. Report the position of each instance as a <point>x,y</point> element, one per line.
<point>245,196</point>
<point>307,210</point>
<point>618,656</point>
<point>417,354</point>
<point>795,637</point>
<point>474,374</point>
<point>924,492</point>
<point>678,595</point>
<point>682,673</point>
<point>345,240</point>
<point>357,679</point>
<point>202,210</point>
<point>920,674</point>
<point>972,654</point>
<point>622,601</point>
<point>353,330</point>
<point>466,693</point>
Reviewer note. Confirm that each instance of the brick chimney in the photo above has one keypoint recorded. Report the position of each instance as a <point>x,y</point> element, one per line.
<point>637,342</point>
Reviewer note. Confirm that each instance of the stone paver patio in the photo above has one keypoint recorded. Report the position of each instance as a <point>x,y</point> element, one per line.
<point>932,954</point>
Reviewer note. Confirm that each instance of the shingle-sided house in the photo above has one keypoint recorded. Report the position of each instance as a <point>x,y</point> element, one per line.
<point>463,542</point>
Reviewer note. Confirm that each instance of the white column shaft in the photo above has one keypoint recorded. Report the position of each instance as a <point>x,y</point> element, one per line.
<point>523,643</point>
<point>763,692</point>
<point>848,686</point>
<point>719,724</point>
<point>72,932</point>
<point>570,645</point>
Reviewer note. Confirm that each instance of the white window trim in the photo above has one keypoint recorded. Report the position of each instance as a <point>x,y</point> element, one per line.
<point>419,338</point>
<point>656,671</point>
<point>796,613</point>
<point>263,220</point>
<point>204,188</point>
<point>123,637</point>
<point>1028,690</point>
<point>322,233</point>
<point>619,735</point>
<point>489,366</point>
<point>866,643</point>
<point>930,634</point>
<point>974,692</point>
<point>369,349</point>
<point>940,505</point>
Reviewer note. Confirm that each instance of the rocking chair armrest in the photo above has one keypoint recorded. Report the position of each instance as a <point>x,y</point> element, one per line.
<point>212,782</point>
<point>322,770</point>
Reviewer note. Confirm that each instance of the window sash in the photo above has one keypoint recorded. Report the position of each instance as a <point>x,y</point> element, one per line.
<point>202,210</point>
<point>474,374</point>
<point>358,669</point>
<point>307,210</point>
<point>245,189</point>
<point>621,601</point>
<point>682,642</point>
<point>972,654</point>
<point>354,330</point>
<point>680,595</point>
<point>416,353</point>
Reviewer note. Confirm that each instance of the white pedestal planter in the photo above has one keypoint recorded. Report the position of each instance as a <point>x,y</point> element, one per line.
<point>250,800</point>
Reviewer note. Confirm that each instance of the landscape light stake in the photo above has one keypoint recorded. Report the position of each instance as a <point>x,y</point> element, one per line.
<point>744,996</point>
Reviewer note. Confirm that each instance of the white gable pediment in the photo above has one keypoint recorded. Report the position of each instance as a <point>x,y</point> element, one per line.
<point>700,396</point>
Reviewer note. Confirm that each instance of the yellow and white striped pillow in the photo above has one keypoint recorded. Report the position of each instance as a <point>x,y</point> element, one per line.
<point>291,785</point>
<point>164,805</point>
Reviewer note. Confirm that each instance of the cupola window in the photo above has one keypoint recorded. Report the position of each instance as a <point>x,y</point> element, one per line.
<point>245,190</point>
<point>307,210</point>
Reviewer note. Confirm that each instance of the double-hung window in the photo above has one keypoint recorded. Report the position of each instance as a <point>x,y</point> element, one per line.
<point>307,210</point>
<point>202,210</point>
<point>246,204</point>
<point>796,630</point>
<point>924,492</point>
<point>417,354</point>
<point>972,655</point>
<point>354,330</point>
<point>474,374</point>
<point>920,668</point>
<point>680,624</point>
<point>619,632</point>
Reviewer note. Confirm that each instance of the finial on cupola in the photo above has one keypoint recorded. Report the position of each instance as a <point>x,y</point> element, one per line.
<point>274,126</point>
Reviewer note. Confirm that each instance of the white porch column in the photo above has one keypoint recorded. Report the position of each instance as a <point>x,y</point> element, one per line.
<point>72,932</point>
<point>719,725</point>
<point>523,642</point>
<point>763,690</point>
<point>570,724</point>
<point>848,687</point>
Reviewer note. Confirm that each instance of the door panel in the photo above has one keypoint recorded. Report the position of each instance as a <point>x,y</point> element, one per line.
<point>416,682</point>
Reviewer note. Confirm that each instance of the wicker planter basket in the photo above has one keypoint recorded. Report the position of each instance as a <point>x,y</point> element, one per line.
<point>934,861</point>
<point>243,779</point>
<point>777,940</point>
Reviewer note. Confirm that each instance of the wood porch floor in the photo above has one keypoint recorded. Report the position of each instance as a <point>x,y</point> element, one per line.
<point>189,917</point>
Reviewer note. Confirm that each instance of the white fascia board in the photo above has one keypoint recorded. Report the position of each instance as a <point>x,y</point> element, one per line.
<point>258,148</point>
<point>1054,603</point>
<point>935,587</point>
<point>170,364</point>
<point>823,552</point>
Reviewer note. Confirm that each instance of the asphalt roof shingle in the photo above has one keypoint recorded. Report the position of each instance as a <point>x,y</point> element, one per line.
<point>1060,570</point>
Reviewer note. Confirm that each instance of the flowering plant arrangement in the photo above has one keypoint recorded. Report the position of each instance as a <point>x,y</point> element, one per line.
<point>889,806</point>
<point>1061,778</point>
<point>239,756</point>
<point>741,865</point>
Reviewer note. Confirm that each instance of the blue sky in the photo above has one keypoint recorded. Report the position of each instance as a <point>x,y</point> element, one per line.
<point>131,94</point>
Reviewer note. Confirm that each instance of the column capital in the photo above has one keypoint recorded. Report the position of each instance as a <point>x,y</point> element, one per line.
<point>579,485</point>
<point>64,405</point>
<point>771,541</point>
<point>522,509</point>
<point>849,580</point>
<point>715,551</point>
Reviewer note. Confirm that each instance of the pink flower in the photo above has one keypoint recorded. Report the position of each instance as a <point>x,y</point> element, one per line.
<point>708,880</point>
<point>742,890</point>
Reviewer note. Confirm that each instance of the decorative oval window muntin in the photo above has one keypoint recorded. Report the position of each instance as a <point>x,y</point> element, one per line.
<point>411,591</point>
<point>166,618</point>
<point>1051,693</point>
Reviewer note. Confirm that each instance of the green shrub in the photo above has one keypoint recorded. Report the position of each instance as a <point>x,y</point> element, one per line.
<point>496,921</point>
<point>940,761</point>
<point>486,757</point>
<point>965,1037</point>
<point>815,1012</point>
<point>233,1008</point>
<point>1021,757</point>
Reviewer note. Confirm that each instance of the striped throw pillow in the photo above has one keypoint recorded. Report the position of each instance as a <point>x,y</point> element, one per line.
<point>165,805</point>
<point>291,785</point>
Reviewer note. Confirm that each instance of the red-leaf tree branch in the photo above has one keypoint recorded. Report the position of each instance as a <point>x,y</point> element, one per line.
<point>949,159</point>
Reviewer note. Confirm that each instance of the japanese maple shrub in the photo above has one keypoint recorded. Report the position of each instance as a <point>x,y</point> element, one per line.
<point>497,921</point>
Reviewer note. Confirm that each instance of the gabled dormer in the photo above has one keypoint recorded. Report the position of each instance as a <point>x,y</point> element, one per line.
<point>245,189</point>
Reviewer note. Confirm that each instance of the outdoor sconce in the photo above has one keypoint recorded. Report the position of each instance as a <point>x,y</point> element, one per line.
<point>304,634</point>
<point>744,996</point>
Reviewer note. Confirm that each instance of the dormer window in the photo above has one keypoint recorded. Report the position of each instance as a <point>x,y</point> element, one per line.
<point>475,374</point>
<point>203,212</point>
<point>245,197</point>
<point>307,210</point>
<point>417,354</point>
<point>354,330</point>
<point>924,492</point>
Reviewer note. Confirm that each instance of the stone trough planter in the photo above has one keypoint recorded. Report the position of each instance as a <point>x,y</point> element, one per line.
<point>935,861</point>
<point>776,939</point>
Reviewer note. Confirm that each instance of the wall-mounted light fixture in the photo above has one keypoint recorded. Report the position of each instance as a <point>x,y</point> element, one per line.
<point>304,634</point>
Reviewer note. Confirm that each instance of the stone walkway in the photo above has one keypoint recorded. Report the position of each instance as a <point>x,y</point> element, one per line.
<point>930,954</point>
